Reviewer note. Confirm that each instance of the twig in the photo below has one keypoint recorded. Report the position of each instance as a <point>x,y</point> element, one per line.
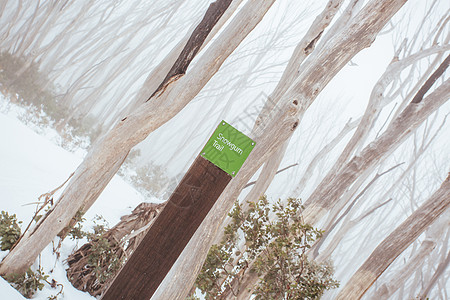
<point>331,227</point>
<point>48,198</point>
<point>279,171</point>
<point>385,122</point>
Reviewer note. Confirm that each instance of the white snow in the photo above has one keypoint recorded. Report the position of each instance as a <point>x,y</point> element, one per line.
<point>8,291</point>
<point>31,165</point>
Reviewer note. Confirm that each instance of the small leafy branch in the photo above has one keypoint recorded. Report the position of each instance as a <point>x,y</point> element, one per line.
<point>31,281</point>
<point>9,230</point>
<point>44,203</point>
<point>272,241</point>
<point>102,257</point>
<point>92,267</point>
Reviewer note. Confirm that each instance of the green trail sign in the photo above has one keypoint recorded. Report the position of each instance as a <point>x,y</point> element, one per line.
<point>228,148</point>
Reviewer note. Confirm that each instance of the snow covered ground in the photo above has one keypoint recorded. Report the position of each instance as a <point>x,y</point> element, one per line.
<point>31,165</point>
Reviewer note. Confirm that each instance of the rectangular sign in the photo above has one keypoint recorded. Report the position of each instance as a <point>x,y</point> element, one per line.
<point>228,148</point>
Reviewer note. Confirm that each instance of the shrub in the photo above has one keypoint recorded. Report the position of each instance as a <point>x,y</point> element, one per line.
<point>273,240</point>
<point>77,232</point>
<point>29,282</point>
<point>9,230</point>
<point>28,87</point>
<point>103,257</point>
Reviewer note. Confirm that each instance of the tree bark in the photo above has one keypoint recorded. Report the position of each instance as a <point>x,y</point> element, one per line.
<point>304,48</point>
<point>321,154</point>
<point>158,74</point>
<point>393,245</point>
<point>194,43</point>
<point>130,231</point>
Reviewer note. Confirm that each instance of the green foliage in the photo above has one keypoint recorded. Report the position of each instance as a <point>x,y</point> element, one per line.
<point>212,271</point>
<point>9,230</point>
<point>100,226</point>
<point>77,232</point>
<point>308,281</point>
<point>103,258</point>
<point>29,282</point>
<point>273,239</point>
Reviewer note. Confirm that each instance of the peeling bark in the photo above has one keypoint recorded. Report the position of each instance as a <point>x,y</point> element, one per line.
<point>194,43</point>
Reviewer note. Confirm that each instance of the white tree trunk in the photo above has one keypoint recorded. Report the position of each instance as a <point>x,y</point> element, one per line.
<point>434,280</point>
<point>308,173</point>
<point>393,245</point>
<point>399,277</point>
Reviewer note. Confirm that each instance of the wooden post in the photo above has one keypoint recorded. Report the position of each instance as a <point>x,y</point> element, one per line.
<point>186,208</point>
